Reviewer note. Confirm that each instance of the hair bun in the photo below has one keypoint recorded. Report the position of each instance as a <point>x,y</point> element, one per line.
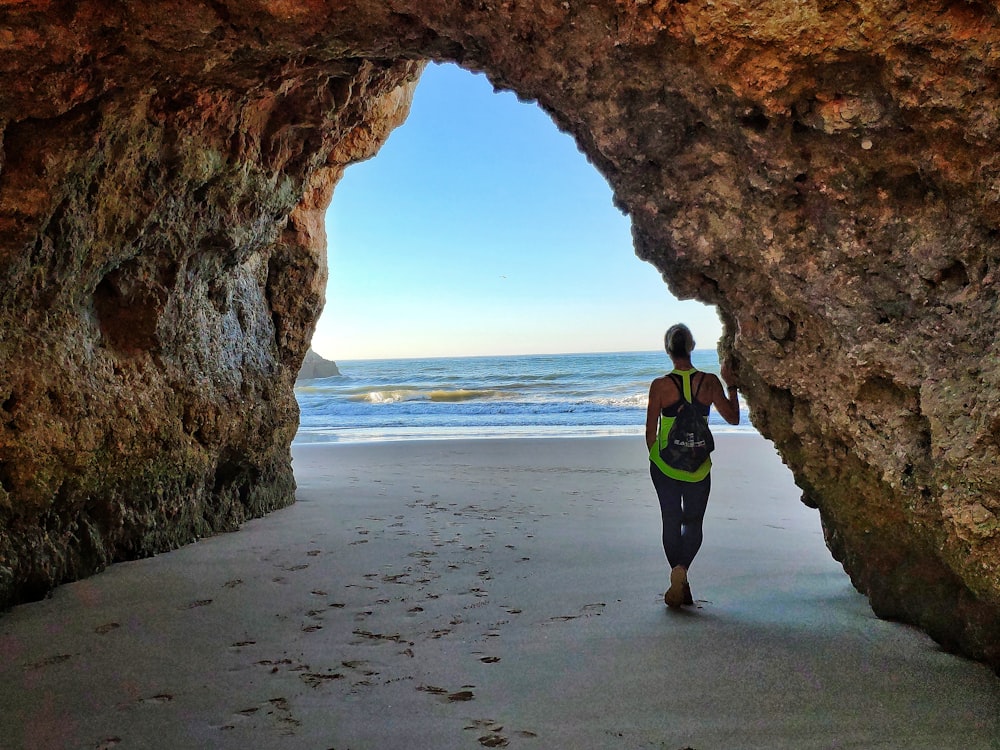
<point>678,340</point>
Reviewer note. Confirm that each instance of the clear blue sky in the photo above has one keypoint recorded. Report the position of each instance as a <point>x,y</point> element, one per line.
<point>479,229</point>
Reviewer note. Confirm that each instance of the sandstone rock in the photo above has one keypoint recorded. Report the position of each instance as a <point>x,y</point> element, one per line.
<point>827,174</point>
<point>315,366</point>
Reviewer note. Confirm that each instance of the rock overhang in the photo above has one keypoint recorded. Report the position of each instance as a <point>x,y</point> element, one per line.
<point>825,174</point>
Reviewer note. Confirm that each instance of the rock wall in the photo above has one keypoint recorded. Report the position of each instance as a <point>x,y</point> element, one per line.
<point>825,173</point>
<point>164,264</point>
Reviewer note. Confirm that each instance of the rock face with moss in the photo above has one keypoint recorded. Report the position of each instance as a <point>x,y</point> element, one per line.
<point>826,174</point>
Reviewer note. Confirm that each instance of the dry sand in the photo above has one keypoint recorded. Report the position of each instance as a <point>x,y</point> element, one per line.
<point>497,593</point>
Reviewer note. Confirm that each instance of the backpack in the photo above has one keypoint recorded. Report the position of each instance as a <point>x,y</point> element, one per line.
<point>689,440</point>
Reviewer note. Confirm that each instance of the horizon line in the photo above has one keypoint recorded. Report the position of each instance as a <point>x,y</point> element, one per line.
<point>500,356</point>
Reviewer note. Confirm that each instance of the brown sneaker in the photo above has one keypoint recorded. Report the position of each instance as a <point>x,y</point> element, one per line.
<point>688,599</point>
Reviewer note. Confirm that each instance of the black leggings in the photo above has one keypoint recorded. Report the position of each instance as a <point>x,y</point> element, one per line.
<point>682,508</point>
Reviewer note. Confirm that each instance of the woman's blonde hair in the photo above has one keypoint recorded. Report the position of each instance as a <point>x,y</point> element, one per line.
<point>678,340</point>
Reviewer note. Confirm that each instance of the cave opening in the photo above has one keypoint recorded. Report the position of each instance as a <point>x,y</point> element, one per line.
<point>480,231</point>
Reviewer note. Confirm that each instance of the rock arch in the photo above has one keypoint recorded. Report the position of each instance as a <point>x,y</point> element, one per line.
<point>825,173</point>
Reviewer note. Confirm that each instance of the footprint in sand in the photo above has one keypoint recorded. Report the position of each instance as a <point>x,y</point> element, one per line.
<point>279,712</point>
<point>493,738</point>
<point>271,663</point>
<point>49,661</point>
<point>363,672</point>
<point>432,689</point>
<point>395,637</point>
<point>459,696</point>
<point>422,555</point>
<point>587,610</point>
<point>157,699</point>
<point>358,665</point>
<point>314,680</point>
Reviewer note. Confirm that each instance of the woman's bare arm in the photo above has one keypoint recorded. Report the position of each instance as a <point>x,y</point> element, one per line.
<point>726,401</point>
<point>653,413</point>
<point>662,392</point>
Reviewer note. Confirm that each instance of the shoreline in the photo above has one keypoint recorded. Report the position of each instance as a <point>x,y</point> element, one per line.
<point>572,395</point>
<point>505,593</point>
<point>448,434</point>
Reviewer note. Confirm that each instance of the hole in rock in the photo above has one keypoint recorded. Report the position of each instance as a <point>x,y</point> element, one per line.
<point>480,230</point>
<point>954,277</point>
<point>755,120</point>
<point>128,302</point>
<point>127,324</point>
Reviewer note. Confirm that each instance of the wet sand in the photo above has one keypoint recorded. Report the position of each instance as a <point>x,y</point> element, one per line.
<point>494,593</point>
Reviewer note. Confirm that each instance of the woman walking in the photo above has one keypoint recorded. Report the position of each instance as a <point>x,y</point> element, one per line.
<point>683,495</point>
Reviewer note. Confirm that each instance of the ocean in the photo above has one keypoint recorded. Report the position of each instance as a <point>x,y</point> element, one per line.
<point>558,395</point>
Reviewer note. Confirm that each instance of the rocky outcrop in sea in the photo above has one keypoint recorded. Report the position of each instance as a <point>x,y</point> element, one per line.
<point>315,366</point>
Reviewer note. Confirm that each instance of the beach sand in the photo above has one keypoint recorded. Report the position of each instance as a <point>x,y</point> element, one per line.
<point>492,593</point>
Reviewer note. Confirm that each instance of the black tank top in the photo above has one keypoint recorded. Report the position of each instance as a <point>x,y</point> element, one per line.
<point>671,411</point>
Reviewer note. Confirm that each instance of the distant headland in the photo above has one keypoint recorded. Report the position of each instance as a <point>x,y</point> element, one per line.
<point>315,366</point>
